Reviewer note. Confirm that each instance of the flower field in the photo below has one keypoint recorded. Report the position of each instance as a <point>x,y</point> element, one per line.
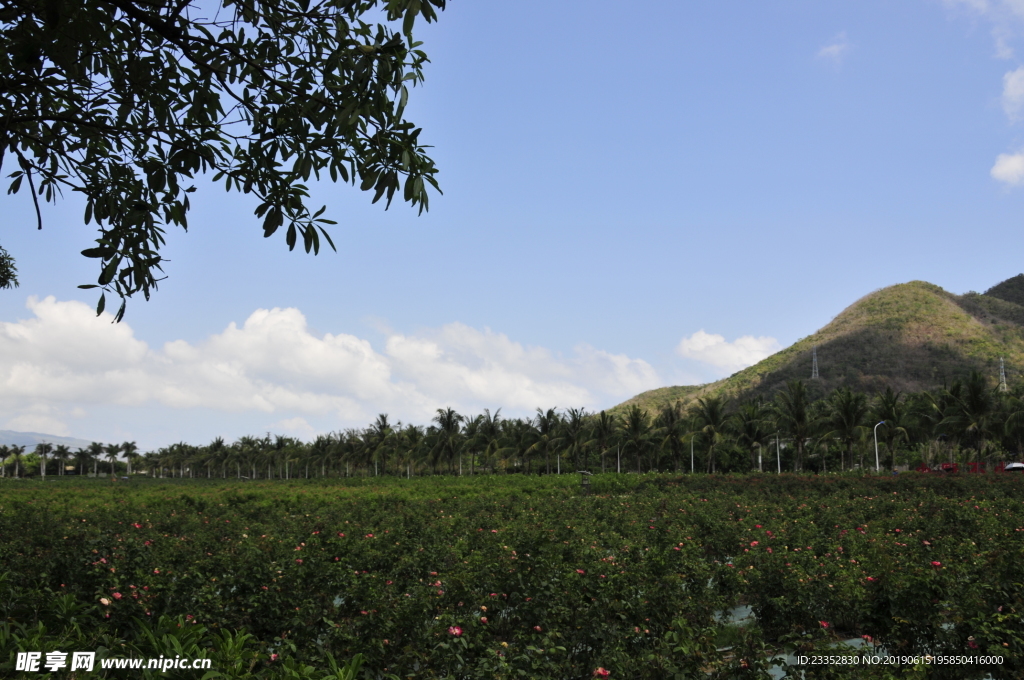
<point>518,576</point>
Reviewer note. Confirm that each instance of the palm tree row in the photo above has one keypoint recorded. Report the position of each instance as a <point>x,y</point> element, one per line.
<point>53,459</point>
<point>969,421</point>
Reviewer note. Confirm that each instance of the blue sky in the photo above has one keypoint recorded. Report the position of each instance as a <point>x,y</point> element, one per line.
<point>635,195</point>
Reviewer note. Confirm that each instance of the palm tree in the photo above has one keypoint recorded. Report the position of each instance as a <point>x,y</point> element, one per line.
<point>61,453</point>
<point>711,420</point>
<point>602,430</point>
<point>749,426</point>
<point>93,453</point>
<point>131,452</point>
<point>574,435</point>
<point>845,415</point>
<point>42,450</point>
<point>447,437</point>
<point>972,411</point>
<point>490,436</point>
<point>112,450</point>
<point>16,452</point>
<point>636,433</point>
<point>378,440</point>
<point>893,411</point>
<point>793,416</point>
<point>670,428</point>
<point>545,435</point>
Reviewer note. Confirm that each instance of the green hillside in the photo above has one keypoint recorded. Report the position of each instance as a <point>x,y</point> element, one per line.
<point>911,336</point>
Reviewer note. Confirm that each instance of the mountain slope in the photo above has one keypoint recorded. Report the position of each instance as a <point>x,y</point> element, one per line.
<point>911,336</point>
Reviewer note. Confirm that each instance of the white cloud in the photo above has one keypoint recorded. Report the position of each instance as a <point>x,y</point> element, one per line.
<point>1009,168</point>
<point>64,358</point>
<point>1013,94</point>
<point>730,356</point>
<point>836,49</point>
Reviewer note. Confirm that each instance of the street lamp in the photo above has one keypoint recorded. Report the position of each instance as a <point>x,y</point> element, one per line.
<point>876,445</point>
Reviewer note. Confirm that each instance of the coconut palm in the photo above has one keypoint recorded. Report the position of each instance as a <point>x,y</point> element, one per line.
<point>845,417</point>
<point>671,428</point>
<point>751,429</point>
<point>793,417</point>
<point>636,433</point>
<point>446,438</point>
<point>545,435</point>
<point>603,428</point>
<point>890,409</point>
<point>489,434</point>
<point>972,412</point>
<point>574,431</point>
<point>710,418</point>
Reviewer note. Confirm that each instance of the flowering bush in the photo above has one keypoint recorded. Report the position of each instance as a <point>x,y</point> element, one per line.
<point>558,585</point>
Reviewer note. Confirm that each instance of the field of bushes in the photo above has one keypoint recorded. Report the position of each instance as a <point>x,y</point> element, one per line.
<point>517,576</point>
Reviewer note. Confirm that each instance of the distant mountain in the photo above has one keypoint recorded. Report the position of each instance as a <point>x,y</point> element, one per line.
<point>30,439</point>
<point>912,336</point>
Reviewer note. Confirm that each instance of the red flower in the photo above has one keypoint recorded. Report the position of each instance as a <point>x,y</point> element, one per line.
<point>580,571</point>
<point>602,672</point>
<point>537,628</point>
<point>483,619</point>
<point>455,630</point>
<point>298,561</point>
<point>824,624</point>
<point>117,596</point>
<point>937,565</point>
<point>341,535</point>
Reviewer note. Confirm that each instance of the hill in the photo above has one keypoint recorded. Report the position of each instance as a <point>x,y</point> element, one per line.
<point>910,336</point>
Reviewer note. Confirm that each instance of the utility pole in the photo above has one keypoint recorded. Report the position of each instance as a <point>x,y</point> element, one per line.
<point>1002,376</point>
<point>814,362</point>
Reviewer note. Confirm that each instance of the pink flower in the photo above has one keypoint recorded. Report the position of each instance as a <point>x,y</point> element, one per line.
<point>299,561</point>
<point>105,602</point>
<point>580,571</point>
<point>936,564</point>
<point>369,535</point>
<point>117,596</point>
<point>602,672</point>
<point>537,628</point>
<point>483,619</point>
<point>341,535</point>
<point>769,549</point>
<point>868,638</point>
<point>455,630</point>
<point>494,531</point>
<point>753,543</point>
<point>824,624</point>
<point>273,657</point>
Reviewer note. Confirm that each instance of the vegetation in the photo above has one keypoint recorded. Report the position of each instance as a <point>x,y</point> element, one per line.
<point>518,576</point>
<point>969,422</point>
<point>125,102</point>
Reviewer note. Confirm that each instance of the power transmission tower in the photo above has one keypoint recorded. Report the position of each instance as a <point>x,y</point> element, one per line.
<point>1002,376</point>
<point>814,362</point>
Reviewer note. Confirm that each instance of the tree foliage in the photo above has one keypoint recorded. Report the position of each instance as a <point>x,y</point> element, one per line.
<point>126,101</point>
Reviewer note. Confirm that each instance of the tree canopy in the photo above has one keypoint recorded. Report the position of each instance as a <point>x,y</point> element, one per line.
<point>126,101</point>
